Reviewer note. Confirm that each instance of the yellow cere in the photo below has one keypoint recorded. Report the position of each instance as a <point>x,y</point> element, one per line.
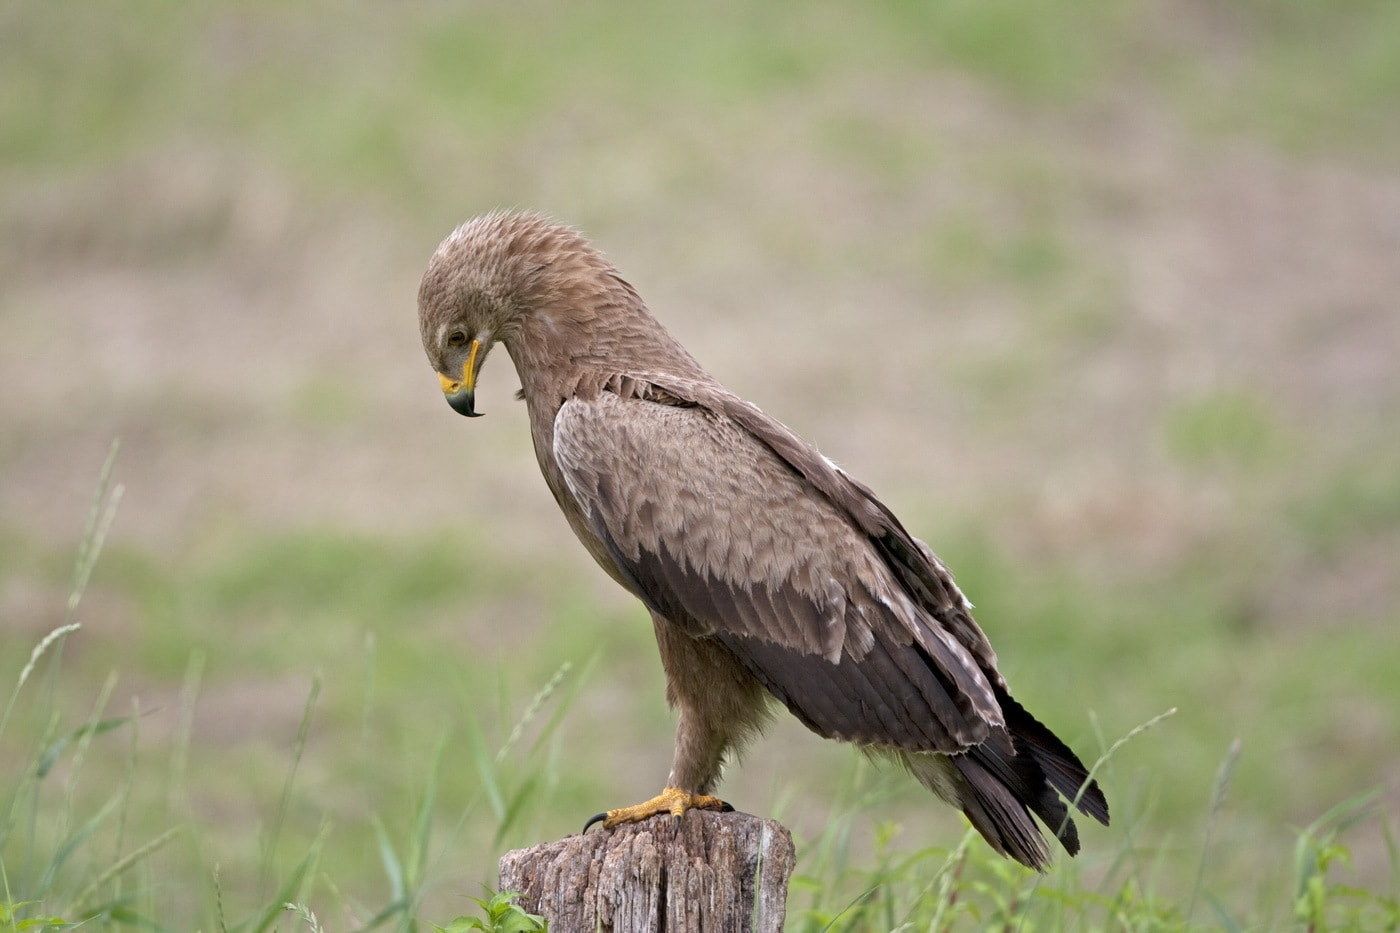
<point>453,386</point>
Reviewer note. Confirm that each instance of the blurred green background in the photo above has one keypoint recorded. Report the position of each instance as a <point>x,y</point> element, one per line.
<point>1100,297</point>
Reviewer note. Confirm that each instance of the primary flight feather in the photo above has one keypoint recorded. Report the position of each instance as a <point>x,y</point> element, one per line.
<point>768,572</point>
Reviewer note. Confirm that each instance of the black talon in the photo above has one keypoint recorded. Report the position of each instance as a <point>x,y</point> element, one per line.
<point>725,807</point>
<point>596,818</point>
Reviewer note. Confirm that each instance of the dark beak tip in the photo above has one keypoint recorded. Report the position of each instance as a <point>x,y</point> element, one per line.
<point>464,403</point>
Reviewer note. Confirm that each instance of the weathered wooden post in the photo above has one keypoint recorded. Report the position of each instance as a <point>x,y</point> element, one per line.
<point>711,873</point>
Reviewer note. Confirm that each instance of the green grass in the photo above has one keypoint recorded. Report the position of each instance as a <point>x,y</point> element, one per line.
<point>97,829</point>
<point>100,865</point>
<point>379,792</point>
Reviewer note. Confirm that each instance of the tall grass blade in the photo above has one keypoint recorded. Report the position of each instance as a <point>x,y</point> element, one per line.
<point>105,500</point>
<point>532,710</point>
<point>70,845</point>
<point>394,871</point>
<point>101,514</point>
<point>417,870</point>
<point>49,757</point>
<point>307,917</point>
<point>219,915</point>
<point>178,790</point>
<point>128,782</point>
<point>1392,852</point>
<point>1093,774</point>
<point>291,889</point>
<point>1113,750</point>
<point>484,763</point>
<point>946,897</point>
<point>389,859</point>
<point>34,656</point>
<point>298,750</point>
<point>1227,922</point>
<point>1217,802</point>
<point>393,909</point>
<point>122,864</point>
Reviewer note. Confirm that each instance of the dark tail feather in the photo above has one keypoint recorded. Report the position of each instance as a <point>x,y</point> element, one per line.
<point>1062,767</point>
<point>1001,782</point>
<point>995,811</point>
<point>988,789</point>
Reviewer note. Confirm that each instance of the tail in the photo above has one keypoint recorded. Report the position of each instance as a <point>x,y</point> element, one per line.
<point>1001,782</point>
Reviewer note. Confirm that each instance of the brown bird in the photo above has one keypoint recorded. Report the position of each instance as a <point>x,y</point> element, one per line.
<point>768,572</point>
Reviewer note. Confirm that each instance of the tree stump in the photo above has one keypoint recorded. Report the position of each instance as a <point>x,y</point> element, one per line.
<point>712,872</point>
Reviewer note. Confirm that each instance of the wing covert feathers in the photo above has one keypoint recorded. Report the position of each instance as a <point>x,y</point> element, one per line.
<point>770,569</point>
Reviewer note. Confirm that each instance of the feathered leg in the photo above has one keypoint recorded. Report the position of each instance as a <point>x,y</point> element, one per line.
<point>720,706</point>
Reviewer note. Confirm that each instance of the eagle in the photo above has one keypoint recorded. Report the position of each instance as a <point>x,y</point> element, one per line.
<point>770,574</point>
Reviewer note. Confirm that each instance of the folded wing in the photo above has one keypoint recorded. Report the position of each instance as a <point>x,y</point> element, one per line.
<point>721,534</point>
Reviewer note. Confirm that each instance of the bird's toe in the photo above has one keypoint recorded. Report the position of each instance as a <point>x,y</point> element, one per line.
<point>672,801</point>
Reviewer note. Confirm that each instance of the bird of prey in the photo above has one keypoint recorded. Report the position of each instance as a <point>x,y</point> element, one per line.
<point>769,572</point>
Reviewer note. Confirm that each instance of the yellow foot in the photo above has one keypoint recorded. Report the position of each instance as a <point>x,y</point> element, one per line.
<point>671,800</point>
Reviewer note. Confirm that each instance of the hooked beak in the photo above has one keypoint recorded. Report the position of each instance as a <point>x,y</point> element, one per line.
<point>461,393</point>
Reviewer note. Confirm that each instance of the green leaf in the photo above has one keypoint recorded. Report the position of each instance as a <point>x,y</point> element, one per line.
<point>461,924</point>
<point>42,923</point>
<point>503,915</point>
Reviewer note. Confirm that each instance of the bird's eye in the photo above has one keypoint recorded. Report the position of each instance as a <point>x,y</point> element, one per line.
<point>456,339</point>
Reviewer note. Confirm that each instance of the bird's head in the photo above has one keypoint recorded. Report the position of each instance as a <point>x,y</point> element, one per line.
<point>486,280</point>
<point>457,348</point>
